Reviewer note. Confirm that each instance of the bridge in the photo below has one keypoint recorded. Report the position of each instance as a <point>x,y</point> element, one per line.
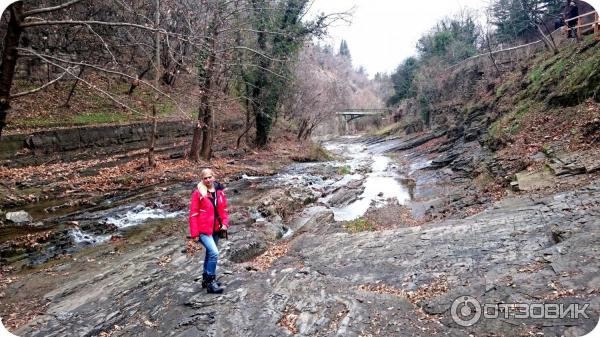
<point>352,114</point>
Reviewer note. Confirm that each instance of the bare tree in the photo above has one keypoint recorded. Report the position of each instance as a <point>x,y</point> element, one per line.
<point>110,35</point>
<point>536,11</point>
<point>157,64</point>
<point>323,84</point>
<point>240,48</point>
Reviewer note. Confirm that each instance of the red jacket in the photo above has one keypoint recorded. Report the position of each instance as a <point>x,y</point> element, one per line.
<point>202,213</point>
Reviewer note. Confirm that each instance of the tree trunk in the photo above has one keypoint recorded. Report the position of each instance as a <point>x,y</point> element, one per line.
<point>491,54</point>
<point>9,59</point>
<point>259,102</point>
<point>262,128</point>
<point>245,133</point>
<point>207,134</point>
<point>309,131</point>
<point>248,116</point>
<point>551,38</point>
<point>301,130</point>
<point>195,148</point>
<point>136,82</point>
<point>547,41</point>
<point>72,91</point>
<point>261,118</point>
<point>152,139</point>
<point>205,113</point>
<point>151,162</point>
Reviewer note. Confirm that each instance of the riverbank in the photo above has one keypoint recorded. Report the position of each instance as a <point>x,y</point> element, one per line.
<point>304,259</point>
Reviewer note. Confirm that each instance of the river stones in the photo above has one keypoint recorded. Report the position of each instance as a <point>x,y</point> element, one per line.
<point>19,217</point>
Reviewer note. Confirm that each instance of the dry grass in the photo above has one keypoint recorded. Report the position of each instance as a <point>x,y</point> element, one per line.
<point>540,131</point>
<point>391,216</point>
<point>68,177</point>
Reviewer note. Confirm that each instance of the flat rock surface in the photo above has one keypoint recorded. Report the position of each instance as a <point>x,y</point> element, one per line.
<point>529,181</point>
<point>384,283</point>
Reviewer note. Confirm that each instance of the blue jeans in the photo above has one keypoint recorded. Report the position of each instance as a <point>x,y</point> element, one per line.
<point>212,253</point>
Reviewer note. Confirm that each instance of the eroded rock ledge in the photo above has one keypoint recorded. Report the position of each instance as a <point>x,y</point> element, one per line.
<point>393,282</point>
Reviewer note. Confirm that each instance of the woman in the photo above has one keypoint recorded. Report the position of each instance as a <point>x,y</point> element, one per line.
<point>208,216</point>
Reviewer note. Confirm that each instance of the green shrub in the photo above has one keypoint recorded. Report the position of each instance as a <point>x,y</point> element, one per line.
<point>344,169</point>
<point>319,153</point>
<point>389,130</point>
<point>536,74</point>
<point>359,225</point>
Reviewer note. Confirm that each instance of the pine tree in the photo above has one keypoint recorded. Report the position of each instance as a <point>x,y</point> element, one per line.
<point>344,50</point>
<point>517,19</point>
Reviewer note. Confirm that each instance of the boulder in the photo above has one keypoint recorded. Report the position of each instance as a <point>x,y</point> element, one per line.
<point>528,181</point>
<point>345,196</point>
<point>443,160</point>
<point>575,163</point>
<point>18,217</point>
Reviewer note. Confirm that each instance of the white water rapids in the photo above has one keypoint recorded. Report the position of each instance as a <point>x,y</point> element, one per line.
<point>381,183</point>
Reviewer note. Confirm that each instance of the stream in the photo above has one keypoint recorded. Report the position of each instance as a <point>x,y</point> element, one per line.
<point>358,179</point>
<point>297,263</point>
<point>380,184</point>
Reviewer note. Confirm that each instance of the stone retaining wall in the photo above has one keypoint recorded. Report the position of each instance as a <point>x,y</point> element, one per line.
<point>62,140</point>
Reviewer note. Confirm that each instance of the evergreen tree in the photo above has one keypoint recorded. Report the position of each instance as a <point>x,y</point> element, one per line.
<point>402,79</point>
<point>344,50</point>
<point>517,19</point>
<point>269,79</point>
<point>451,40</point>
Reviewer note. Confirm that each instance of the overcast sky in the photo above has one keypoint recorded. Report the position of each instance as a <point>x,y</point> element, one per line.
<point>385,32</point>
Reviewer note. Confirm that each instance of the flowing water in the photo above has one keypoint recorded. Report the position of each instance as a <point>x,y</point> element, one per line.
<point>357,165</point>
<point>383,182</point>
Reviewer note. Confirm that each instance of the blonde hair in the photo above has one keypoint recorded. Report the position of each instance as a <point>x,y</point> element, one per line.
<point>201,187</point>
<point>205,171</point>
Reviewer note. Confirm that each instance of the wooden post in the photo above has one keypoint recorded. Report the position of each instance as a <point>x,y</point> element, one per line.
<point>596,26</point>
<point>579,28</point>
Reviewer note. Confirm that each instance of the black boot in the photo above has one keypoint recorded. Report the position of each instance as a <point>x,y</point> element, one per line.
<point>212,287</point>
<point>205,281</point>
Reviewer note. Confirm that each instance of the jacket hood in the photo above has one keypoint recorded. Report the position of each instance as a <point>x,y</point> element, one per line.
<point>218,186</point>
<point>200,186</point>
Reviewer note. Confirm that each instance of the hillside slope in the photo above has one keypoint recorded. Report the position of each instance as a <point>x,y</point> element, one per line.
<point>535,126</point>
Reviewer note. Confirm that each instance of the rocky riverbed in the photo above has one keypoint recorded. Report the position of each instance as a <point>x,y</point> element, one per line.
<point>298,262</point>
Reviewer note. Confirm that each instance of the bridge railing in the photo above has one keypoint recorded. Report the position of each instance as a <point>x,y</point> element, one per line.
<point>583,27</point>
<point>382,110</point>
<point>352,114</point>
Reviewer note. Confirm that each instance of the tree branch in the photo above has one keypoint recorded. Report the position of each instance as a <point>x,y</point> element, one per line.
<point>88,22</point>
<point>104,44</point>
<point>48,58</point>
<point>106,23</point>
<point>50,9</point>
<point>40,88</point>
<point>92,66</point>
